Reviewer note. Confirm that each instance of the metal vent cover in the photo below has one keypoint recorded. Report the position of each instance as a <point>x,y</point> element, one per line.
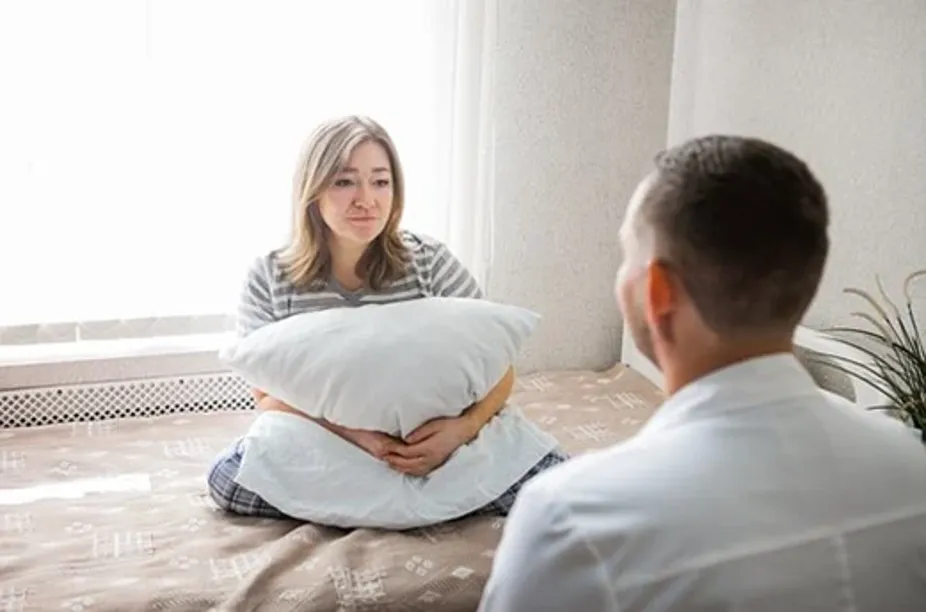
<point>123,399</point>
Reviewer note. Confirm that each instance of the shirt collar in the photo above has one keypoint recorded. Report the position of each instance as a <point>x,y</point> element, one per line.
<point>747,383</point>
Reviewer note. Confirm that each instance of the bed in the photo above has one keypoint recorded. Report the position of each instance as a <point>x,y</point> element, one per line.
<point>113,515</point>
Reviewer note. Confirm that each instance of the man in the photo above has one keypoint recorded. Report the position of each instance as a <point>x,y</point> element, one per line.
<point>748,489</point>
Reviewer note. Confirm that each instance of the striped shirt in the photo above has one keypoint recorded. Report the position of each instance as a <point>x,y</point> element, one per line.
<point>433,270</point>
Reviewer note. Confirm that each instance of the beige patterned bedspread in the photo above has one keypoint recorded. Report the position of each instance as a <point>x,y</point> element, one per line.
<point>140,532</point>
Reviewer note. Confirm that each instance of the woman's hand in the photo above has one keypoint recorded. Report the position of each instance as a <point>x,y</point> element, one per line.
<point>428,447</point>
<point>373,442</point>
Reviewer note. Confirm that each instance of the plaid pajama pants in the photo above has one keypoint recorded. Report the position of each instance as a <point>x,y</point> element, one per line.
<point>232,497</point>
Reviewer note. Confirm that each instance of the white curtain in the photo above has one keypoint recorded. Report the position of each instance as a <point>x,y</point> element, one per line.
<point>146,148</point>
<point>466,54</point>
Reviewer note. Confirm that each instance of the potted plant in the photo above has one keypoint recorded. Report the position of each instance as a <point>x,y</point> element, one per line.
<point>894,351</point>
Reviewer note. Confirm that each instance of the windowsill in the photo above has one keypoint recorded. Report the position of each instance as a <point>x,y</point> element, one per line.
<point>99,350</point>
<point>43,364</point>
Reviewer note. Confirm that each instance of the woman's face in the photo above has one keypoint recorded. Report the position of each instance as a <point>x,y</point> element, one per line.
<point>357,206</point>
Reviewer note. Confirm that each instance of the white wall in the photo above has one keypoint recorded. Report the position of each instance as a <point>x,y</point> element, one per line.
<point>843,84</point>
<point>582,104</point>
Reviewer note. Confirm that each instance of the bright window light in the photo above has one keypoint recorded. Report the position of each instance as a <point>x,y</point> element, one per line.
<point>147,148</point>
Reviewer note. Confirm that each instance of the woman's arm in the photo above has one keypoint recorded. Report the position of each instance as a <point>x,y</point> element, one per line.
<point>373,442</point>
<point>450,278</point>
<point>428,447</point>
<point>484,410</point>
<point>255,304</point>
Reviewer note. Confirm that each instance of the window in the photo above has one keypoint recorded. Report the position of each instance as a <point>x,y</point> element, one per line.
<point>147,148</point>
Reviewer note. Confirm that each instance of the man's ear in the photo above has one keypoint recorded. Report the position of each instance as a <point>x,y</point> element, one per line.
<point>661,293</point>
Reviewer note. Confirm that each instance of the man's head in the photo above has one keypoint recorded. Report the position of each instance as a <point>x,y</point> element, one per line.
<point>724,243</point>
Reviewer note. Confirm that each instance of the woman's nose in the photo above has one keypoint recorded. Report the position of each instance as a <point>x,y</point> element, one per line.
<point>364,196</point>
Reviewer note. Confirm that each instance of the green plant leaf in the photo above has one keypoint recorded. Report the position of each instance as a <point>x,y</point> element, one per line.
<point>893,351</point>
<point>876,358</point>
<point>885,297</point>
<point>874,304</point>
<point>889,344</point>
<point>885,333</point>
<point>875,381</point>
<point>908,283</point>
<point>921,352</point>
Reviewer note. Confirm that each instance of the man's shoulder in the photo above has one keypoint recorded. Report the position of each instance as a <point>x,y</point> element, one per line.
<point>877,426</point>
<point>586,482</point>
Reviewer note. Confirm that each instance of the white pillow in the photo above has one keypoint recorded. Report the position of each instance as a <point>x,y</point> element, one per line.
<point>388,368</point>
<point>311,474</point>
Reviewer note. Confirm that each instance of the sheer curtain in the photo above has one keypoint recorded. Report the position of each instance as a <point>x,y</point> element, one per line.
<point>466,63</point>
<point>147,148</point>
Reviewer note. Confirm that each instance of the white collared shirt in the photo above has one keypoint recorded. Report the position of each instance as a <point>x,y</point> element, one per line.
<point>748,490</point>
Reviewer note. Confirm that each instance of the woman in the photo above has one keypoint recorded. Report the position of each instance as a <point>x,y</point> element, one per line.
<point>347,250</point>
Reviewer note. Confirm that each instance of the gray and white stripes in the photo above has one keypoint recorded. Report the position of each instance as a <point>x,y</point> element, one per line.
<point>267,296</point>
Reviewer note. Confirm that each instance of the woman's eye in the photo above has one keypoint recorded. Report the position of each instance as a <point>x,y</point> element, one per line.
<point>382,183</point>
<point>343,182</point>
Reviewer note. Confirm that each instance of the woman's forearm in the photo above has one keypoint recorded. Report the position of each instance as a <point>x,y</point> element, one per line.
<point>272,404</point>
<point>373,442</point>
<point>476,415</point>
<point>484,410</point>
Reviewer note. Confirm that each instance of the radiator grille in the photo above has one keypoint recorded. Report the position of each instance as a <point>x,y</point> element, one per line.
<point>124,399</point>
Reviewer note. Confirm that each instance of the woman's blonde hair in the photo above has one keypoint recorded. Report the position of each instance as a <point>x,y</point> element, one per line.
<point>307,258</point>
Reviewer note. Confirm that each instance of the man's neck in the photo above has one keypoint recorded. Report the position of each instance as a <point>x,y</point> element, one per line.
<point>682,370</point>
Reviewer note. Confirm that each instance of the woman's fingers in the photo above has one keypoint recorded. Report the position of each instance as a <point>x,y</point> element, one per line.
<point>422,433</point>
<point>404,463</point>
<point>408,451</point>
<point>385,445</point>
<point>414,466</point>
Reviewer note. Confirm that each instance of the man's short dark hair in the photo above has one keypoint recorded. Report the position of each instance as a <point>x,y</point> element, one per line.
<point>743,223</point>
